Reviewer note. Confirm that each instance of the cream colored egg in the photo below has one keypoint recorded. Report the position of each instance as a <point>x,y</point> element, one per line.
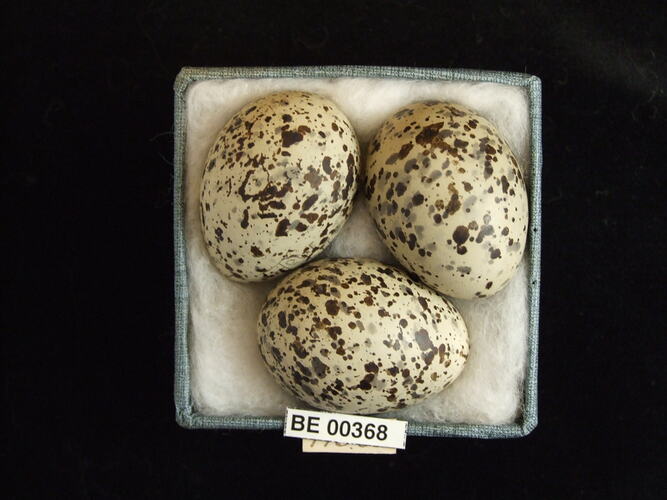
<point>278,184</point>
<point>448,198</point>
<point>357,336</point>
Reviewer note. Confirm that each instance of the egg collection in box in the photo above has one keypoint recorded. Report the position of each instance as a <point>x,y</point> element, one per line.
<point>355,335</point>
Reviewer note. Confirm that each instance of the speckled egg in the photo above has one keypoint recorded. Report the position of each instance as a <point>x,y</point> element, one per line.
<point>278,184</point>
<point>448,198</point>
<point>357,336</point>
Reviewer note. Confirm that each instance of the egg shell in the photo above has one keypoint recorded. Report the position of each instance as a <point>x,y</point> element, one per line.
<point>358,336</point>
<point>278,184</point>
<point>448,198</point>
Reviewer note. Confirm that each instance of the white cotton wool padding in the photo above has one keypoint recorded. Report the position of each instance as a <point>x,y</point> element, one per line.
<point>227,373</point>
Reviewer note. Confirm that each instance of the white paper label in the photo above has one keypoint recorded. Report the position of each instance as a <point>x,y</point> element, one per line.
<point>341,428</point>
<point>313,446</point>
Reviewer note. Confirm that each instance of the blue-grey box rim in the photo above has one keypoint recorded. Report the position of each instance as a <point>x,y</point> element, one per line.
<point>186,414</point>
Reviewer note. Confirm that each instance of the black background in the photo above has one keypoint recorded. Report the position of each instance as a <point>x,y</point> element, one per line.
<point>88,296</point>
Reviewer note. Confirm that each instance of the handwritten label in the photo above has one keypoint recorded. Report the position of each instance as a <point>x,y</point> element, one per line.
<point>313,446</point>
<point>349,429</point>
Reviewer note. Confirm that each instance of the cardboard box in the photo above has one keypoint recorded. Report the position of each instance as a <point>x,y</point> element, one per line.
<point>186,413</point>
